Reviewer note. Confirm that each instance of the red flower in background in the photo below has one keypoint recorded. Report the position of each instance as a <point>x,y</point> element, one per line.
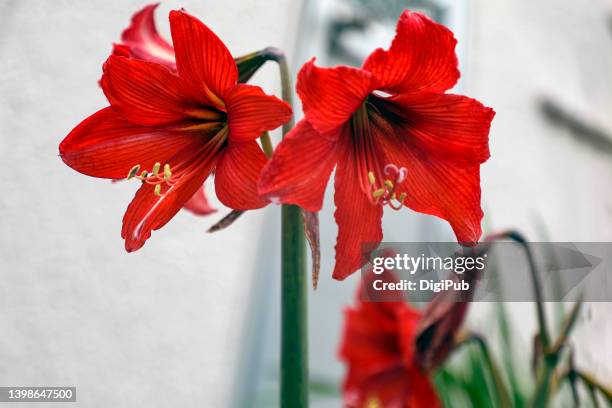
<point>198,203</point>
<point>378,346</point>
<point>394,137</point>
<point>142,41</point>
<point>171,129</point>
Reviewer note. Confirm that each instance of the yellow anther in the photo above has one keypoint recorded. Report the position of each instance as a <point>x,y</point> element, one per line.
<point>371,177</point>
<point>133,171</point>
<point>402,197</point>
<point>157,190</point>
<point>167,172</point>
<point>393,196</point>
<point>156,167</point>
<point>389,184</point>
<point>373,403</point>
<point>378,193</point>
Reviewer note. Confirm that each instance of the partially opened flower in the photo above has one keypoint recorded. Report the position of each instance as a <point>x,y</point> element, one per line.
<point>394,137</point>
<point>378,346</point>
<point>170,129</point>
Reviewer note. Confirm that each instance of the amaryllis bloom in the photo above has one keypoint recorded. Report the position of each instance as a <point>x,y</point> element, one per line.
<point>378,346</point>
<point>170,130</point>
<point>394,136</point>
<point>141,40</point>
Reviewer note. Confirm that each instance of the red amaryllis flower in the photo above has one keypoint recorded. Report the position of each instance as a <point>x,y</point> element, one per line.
<point>170,130</point>
<point>378,346</point>
<point>141,40</point>
<point>394,137</point>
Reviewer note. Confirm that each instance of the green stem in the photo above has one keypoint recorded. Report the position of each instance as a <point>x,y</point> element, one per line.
<point>266,144</point>
<point>294,312</point>
<point>294,301</point>
<point>279,57</point>
<point>548,361</point>
<point>501,391</point>
<point>592,383</point>
<point>537,289</point>
<point>544,373</point>
<point>535,279</point>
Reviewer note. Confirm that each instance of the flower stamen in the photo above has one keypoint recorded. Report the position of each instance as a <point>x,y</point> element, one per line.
<point>156,167</point>
<point>371,177</point>
<point>154,177</point>
<point>133,172</point>
<point>167,172</point>
<point>385,193</point>
<point>378,193</point>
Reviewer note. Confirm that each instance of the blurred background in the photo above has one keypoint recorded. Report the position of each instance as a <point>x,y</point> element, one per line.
<point>192,318</point>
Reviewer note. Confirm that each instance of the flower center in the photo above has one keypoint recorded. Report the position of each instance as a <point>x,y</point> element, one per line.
<point>383,192</point>
<point>187,163</point>
<point>379,183</point>
<point>208,120</point>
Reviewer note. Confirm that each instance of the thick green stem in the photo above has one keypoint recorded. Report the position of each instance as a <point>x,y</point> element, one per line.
<point>294,312</point>
<point>294,301</point>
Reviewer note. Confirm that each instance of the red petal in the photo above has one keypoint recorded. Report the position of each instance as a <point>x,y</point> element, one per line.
<point>237,174</point>
<point>439,187</point>
<point>198,204</point>
<point>452,127</point>
<point>144,93</point>
<point>144,42</point>
<point>331,95</point>
<point>122,50</point>
<point>359,221</point>
<point>106,145</point>
<point>202,60</point>
<point>408,319</point>
<point>442,145</point>
<point>148,212</point>
<point>448,191</point>
<point>421,57</point>
<point>369,353</point>
<point>374,338</point>
<point>251,112</point>
<point>370,338</point>
<point>377,346</point>
<point>300,168</point>
<point>421,392</point>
